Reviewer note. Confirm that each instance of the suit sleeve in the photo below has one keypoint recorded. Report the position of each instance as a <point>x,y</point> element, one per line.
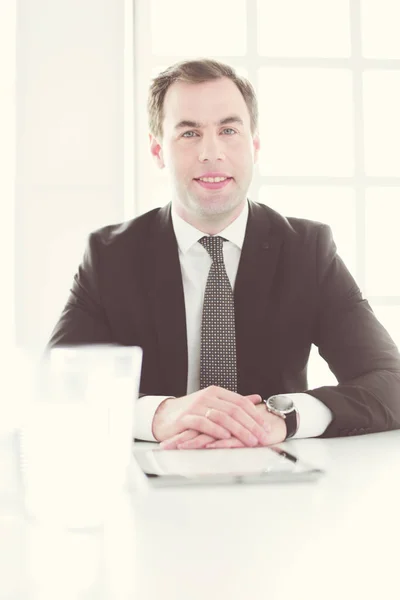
<point>358,350</point>
<point>83,320</point>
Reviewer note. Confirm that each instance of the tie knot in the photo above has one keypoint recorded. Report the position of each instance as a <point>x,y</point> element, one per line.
<point>213,245</point>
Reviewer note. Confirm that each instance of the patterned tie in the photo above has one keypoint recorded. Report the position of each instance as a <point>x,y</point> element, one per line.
<point>218,340</point>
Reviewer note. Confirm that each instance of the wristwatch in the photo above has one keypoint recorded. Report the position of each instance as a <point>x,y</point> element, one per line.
<point>284,407</point>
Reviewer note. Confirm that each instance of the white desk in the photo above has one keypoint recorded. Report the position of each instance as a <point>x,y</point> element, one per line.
<point>337,538</point>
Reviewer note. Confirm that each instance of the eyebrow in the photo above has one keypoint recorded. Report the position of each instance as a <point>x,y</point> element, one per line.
<point>196,124</point>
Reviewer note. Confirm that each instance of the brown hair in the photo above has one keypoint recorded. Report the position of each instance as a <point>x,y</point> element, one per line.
<point>195,71</point>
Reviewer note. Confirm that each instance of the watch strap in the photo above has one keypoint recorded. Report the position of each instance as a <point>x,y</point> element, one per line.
<point>291,419</point>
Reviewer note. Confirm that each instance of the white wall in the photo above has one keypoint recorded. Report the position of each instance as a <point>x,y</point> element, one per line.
<point>70,147</point>
<point>7,171</point>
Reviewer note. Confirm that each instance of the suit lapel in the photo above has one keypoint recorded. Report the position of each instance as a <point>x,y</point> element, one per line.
<point>168,304</point>
<point>253,286</point>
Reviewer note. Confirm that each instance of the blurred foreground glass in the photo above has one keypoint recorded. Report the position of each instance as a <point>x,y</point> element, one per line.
<point>77,432</point>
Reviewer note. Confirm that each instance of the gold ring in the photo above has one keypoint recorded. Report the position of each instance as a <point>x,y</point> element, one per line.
<point>207,415</point>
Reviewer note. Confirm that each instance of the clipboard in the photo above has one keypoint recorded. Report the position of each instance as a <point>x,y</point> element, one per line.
<point>157,468</point>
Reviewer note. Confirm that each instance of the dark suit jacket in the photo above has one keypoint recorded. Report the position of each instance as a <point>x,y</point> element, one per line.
<point>291,290</point>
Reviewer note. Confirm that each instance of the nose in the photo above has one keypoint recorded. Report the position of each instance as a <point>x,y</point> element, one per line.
<point>211,149</point>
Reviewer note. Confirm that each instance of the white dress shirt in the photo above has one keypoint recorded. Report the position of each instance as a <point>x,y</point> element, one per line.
<point>195,264</point>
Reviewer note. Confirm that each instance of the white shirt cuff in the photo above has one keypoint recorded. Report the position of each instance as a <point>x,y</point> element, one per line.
<point>315,416</point>
<point>145,408</point>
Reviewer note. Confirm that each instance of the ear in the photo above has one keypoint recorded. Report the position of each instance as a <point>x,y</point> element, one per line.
<point>156,151</point>
<point>256,146</point>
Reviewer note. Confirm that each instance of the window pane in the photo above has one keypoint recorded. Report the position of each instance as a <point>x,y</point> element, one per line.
<point>332,205</point>
<point>306,122</point>
<point>389,316</point>
<point>382,123</point>
<point>382,241</point>
<point>380,22</point>
<point>212,28</point>
<point>308,28</point>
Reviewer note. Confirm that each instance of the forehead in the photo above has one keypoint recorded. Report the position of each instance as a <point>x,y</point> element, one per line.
<point>205,102</point>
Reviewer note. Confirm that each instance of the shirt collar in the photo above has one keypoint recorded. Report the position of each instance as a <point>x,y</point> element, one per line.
<point>187,235</point>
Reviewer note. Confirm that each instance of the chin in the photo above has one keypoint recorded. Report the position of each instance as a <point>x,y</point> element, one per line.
<point>217,206</point>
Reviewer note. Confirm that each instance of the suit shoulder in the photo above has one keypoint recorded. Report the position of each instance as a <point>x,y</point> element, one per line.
<point>291,227</point>
<point>308,226</point>
<point>125,232</point>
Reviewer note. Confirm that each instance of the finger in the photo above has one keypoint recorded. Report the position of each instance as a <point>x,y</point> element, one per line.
<point>204,425</point>
<point>196,443</point>
<point>223,394</point>
<point>232,443</point>
<point>254,398</point>
<point>247,403</point>
<point>243,432</point>
<point>172,442</point>
<point>238,422</point>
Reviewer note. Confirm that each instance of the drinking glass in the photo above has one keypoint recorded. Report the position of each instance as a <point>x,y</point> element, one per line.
<point>77,432</point>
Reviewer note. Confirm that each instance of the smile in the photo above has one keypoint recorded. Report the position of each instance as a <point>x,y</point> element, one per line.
<point>213,183</point>
<point>213,179</point>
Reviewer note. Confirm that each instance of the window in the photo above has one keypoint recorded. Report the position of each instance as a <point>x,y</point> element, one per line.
<point>327,74</point>
<point>71,140</point>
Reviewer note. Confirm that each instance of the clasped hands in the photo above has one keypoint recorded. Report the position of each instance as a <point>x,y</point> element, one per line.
<point>232,421</point>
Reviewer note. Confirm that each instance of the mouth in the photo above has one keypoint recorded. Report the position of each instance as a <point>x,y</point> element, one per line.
<point>214,183</point>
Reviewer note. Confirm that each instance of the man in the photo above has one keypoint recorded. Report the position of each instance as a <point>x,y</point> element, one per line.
<point>279,285</point>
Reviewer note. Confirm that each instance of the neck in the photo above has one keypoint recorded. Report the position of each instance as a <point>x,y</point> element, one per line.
<point>213,228</point>
<point>210,224</point>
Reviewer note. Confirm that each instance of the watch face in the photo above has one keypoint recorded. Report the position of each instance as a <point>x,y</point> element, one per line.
<point>281,403</point>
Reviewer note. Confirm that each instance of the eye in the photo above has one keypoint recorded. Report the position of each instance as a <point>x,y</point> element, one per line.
<point>229,129</point>
<point>186,132</point>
